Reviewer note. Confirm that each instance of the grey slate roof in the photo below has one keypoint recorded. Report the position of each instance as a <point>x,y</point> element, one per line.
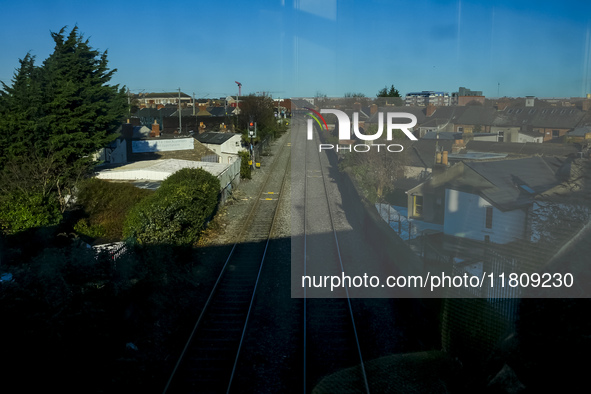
<point>218,111</point>
<point>422,153</point>
<point>300,103</point>
<point>156,113</point>
<point>509,184</point>
<point>165,95</point>
<point>477,115</point>
<point>443,135</point>
<point>549,117</point>
<point>213,137</point>
<point>579,131</point>
<point>522,148</point>
<point>419,112</point>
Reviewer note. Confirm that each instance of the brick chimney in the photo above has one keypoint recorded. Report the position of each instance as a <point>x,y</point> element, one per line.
<point>587,105</point>
<point>458,146</point>
<point>155,129</point>
<point>430,109</point>
<point>373,109</point>
<point>357,107</point>
<point>501,105</point>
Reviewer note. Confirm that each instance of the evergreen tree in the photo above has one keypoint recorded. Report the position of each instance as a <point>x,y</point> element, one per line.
<point>385,92</point>
<point>53,118</point>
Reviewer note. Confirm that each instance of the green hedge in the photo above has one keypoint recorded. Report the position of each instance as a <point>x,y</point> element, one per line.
<point>106,205</point>
<point>177,212</point>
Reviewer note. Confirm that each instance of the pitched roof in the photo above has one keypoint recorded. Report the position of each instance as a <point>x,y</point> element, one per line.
<point>156,113</point>
<point>442,135</point>
<point>419,112</point>
<point>421,153</point>
<point>476,115</point>
<point>579,131</point>
<point>300,103</point>
<point>165,95</point>
<point>557,117</point>
<point>213,137</point>
<point>509,184</point>
<point>522,148</point>
<point>219,111</point>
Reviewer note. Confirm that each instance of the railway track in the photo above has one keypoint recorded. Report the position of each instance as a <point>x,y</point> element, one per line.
<point>330,338</point>
<point>209,358</point>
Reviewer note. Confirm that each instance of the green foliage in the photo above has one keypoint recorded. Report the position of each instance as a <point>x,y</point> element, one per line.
<point>20,211</point>
<point>177,212</point>
<point>262,110</point>
<point>54,117</point>
<point>83,227</point>
<point>354,95</point>
<point>106,204</point>
<point>385,92</point>
<point>245,169</point>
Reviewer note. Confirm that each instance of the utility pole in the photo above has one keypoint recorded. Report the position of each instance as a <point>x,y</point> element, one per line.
<point>129,102</point>
<point>193,103</point>
<point>180,117</point>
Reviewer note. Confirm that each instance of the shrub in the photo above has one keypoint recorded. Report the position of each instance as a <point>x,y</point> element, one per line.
<point>20,211</point>
<point>245,169</point>
<point>177,212</point>
<point>106,204</point>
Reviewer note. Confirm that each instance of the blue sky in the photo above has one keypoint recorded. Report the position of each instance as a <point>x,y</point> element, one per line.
<point>301,47</point>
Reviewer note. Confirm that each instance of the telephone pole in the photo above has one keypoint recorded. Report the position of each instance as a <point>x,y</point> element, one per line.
<point>180,117</point>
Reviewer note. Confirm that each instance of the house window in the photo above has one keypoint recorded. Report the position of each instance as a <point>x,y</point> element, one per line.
<point>555,133</point>
<point>489,217</point>
<point>418,206</point>
<point>460,129</point>
<point>501,136</point>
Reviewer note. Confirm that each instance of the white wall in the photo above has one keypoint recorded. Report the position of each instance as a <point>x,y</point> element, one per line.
<point>529,138</point>
<point>228,151</point>
<point>115,156</point>
<point>491,137</point>
<point>465,216</point>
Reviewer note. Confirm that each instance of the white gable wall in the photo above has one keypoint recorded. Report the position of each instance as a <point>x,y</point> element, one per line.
<point>465,216</point>
<point>228,151</point>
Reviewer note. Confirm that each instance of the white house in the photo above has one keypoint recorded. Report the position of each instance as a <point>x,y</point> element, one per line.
<point>492,201</point>
<point>226,145</point>
<point>471,216</point>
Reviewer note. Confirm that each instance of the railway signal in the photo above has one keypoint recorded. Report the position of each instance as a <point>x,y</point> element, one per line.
<point>252,133</point>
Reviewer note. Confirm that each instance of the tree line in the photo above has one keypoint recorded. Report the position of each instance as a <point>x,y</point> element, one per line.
<point>53,118</point>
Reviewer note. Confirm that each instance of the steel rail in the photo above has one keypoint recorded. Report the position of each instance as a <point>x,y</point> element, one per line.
<point>243,231</point>
<point>350,308</point>
<point>281,193</point>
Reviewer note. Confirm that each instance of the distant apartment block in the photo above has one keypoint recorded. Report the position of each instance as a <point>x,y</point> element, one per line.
<point>427,97</point>
<point>464,96</point>
<point>160,99</point>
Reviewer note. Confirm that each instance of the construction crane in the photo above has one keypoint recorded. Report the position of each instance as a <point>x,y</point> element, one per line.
<point>239,88</point>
